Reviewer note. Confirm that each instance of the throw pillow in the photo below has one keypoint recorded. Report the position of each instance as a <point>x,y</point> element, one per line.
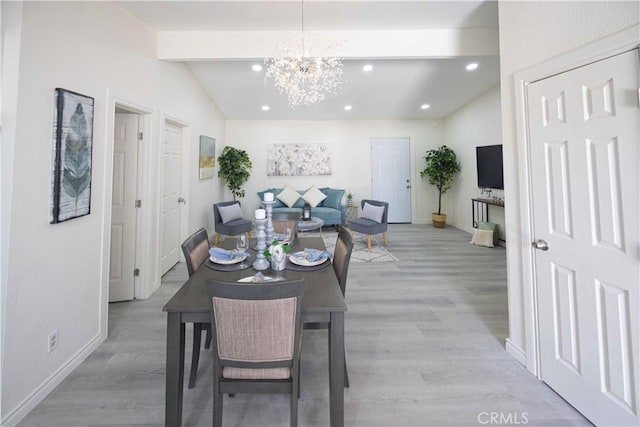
<point>230,212</point>
<point>486,225</point>
<point>300,203</point>
<point>268,190</point>
<point>482,238</point>
<point>313,196</point>
<point>278,203</point>
<point>334,198</point>
<point>288,196</point>
<point>374,213</point>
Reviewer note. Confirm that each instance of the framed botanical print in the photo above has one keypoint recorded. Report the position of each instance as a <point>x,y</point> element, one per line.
<point>71,156</point>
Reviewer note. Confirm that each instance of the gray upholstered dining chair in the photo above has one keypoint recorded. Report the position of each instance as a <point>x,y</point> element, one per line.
<point>228,220</point>
<point>372,220</point>
<point>256,340</point>
<point>281,221</point>
<point>341,258</point>
<point>196,250</point>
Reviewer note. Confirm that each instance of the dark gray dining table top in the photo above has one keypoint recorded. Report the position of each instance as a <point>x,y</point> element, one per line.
<point>321,291</point>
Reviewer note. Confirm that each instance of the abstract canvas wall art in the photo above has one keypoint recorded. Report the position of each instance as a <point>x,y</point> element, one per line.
<point>207,157</point>
<point>298,159</point>
<point>71,162</point>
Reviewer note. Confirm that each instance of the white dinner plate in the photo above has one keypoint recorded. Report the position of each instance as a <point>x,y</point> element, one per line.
<point>234,260</point>
<point>304,262</point>
<point>254,279</point>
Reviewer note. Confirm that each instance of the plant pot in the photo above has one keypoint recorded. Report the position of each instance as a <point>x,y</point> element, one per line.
<point>439,220</point>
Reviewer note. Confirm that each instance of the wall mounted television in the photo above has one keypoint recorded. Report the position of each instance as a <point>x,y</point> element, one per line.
<point>489,166</point>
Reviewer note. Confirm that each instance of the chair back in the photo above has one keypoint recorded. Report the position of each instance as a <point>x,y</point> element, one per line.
<point>342,256</point>
<point>217,219</point>
<point>196,250</point>
<point>377,203</point>
<point>256,327</point>
<point>282,221</point>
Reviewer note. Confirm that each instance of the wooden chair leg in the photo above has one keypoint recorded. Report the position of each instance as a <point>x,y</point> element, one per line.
<point>369,242</point>
<point>215,243</point>
<point>384,238</point>
<point>195,354</point>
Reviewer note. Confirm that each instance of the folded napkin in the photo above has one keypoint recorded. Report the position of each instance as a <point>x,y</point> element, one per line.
<point>219,253</point>
<point>280,236</point>
<point>316,254</point>
<point>261,278</point>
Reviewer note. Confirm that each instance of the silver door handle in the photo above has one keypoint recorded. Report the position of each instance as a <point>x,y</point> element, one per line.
<point>181,200</point>
<point>541,245</point>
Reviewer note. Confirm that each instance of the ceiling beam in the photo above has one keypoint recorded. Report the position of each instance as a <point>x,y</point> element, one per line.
<point>235,45</point>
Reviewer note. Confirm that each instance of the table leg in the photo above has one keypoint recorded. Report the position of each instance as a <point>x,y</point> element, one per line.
<point>175,371</point>
<point>336,369</point>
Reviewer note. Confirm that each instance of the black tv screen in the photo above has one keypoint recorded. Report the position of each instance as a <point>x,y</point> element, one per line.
<point>489,163</point>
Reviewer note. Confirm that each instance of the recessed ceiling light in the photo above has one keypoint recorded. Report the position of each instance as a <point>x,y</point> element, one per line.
<point>256,67</point>
<point>472,66</point>
<point>348,107</point>
<point>265,108</point>
<point>425,106</point>
<point>367,67</point>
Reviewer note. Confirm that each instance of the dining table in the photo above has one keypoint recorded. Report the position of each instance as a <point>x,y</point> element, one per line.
<point>322,299</point>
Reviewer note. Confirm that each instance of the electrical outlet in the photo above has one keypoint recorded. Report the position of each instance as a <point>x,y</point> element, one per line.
<point>52,341</point>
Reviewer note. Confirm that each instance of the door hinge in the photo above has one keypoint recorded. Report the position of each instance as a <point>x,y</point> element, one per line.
<point>138,203</point>
<point>140,136</point>
<point>136,272</point>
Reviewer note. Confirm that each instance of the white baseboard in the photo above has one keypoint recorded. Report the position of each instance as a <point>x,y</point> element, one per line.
<point>38,395</point>
<point>516,352</point>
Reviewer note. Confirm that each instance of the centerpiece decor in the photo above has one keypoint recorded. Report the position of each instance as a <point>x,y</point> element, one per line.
<point>277,254</point>
<point>268,202</point>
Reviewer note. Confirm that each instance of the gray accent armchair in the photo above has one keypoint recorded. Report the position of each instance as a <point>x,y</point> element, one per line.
<point>370,227</point>
<point>231,228</point>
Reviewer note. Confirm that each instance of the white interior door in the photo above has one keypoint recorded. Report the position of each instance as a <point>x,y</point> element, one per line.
<point>585,160</point>
<point>123,211</point>
<point>170,205</point>
<point>391,176</point>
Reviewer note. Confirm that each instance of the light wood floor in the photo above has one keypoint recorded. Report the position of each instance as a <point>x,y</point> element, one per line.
<point>425,347</point>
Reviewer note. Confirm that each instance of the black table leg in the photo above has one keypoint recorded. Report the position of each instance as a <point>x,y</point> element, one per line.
<point>336,368</point>
<point>175,371</point>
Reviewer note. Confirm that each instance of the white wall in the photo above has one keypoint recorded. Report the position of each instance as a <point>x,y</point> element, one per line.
<point>475,124</point>
<point>55,272</point>
<point>530,33</point>
<point>351,147</point>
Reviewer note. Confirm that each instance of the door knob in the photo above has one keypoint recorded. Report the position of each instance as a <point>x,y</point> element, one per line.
<point>541,245</point>
<point>408,186</point>
<point>181,200</point>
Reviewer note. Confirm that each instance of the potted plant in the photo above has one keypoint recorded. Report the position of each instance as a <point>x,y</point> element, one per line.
<point>349,199</point>
<point>234,169</point>
<point>441,168</point>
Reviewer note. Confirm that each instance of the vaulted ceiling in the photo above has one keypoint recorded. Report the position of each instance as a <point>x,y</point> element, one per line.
<point>418,50</point>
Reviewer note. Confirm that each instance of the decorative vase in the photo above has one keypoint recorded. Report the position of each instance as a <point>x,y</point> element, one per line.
<point>278,265</point>
<point>350,203</point>
<point>278,258</point>
<point>439,220</point>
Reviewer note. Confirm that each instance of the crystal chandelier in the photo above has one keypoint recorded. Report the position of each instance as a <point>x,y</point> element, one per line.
<point>306,77</point>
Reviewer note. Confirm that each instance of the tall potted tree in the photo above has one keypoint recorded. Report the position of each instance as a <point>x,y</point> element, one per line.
<point>442,166</point>
<point>234,166</point>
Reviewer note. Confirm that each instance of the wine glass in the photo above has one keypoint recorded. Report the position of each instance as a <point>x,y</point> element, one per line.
<point>242,244</point>
<point>288,235</point>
